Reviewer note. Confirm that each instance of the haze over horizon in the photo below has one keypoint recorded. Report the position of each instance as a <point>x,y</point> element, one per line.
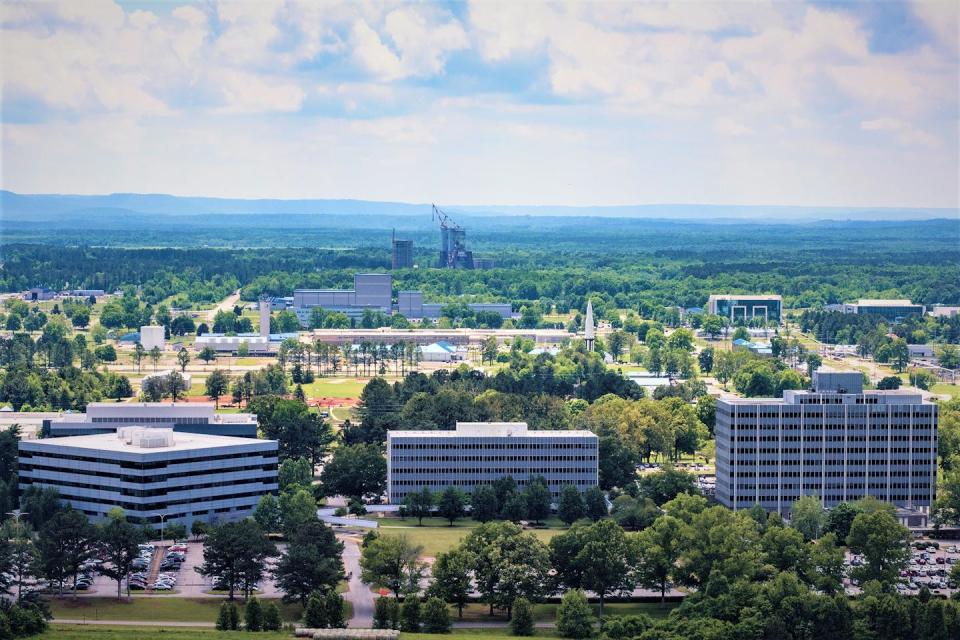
<point>821,104</point>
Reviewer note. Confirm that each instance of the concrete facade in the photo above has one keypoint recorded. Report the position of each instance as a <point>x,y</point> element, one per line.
<point>837,442</point>
<point>186,417</point>
<point>478,453</point>
<point>152,473</point>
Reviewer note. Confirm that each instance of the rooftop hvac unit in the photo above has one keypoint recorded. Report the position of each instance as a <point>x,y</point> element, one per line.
<point>153,438</point>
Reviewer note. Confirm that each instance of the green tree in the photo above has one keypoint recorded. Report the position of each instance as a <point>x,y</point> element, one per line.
<point>410,614</point>
<point>419,504</point>
<point>483,504</point>
<point>315,612</point>
<point>595,504</point>
<point>826,569</point>
<point>839,519</point>
<point>574,618</point>
<point>64,544</point>
<point>207,354</point>
<point>267,513</point>
<point>451,577</point>
<point>333,603</point>
<point>234,615</point>
<point>659,548</point>
<point>295,472</point>
<point>521,618</point>
<point>356,471</point>
<point>223,618</point>
<point>705,359</point>
<point>118,540</point>
<point>571,506</point>
<point>883,542</point>
<point>138,354</point>
<point>899,354</point>
<point>451,504</point>
<point>253,615</point>
<point>391,562</point>
<point>382,612</point>
<point>217,384</point>
<point>436,617</point>
<point>298,509</point>
<point>808,517</point>
<point>271,617</point>
<point>155,355</point>
<point>183,359</point>
<point>509,564</point>
<point>237,553</point>
<point>603,562</point>
<point>312,563</point>
<point>537,495</point>
<point>515,507</point>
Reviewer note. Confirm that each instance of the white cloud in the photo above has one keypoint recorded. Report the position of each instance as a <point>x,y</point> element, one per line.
<point>730,127</point>
<point>906,133</point>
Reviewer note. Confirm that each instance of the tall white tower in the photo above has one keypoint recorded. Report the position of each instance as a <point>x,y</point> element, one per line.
<point>264,317</point>
<point>589,330</point>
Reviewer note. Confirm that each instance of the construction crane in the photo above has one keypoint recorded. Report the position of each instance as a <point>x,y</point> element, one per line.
<point>453,241</point>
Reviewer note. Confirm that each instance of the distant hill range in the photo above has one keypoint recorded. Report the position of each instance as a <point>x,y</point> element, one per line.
<point>57,207</point>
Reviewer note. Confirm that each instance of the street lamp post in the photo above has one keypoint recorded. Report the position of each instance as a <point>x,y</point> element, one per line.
<point>163,516</point>
<point>17,514</point>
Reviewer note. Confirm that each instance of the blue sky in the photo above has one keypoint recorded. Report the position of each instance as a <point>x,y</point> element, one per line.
<point>821,103</point>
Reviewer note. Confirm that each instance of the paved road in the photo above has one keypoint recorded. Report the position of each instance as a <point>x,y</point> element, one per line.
<point>133,623</point>
<point>226,304</point>
<point>358,594</point>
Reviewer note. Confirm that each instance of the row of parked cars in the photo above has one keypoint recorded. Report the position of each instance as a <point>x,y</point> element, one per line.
<point>87,572</point>
<point>169,566</point>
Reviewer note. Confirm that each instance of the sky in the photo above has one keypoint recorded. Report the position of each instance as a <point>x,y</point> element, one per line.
<point>850,104</point>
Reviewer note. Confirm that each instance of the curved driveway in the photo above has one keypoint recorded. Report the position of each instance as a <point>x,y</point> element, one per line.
<point>358,594</point>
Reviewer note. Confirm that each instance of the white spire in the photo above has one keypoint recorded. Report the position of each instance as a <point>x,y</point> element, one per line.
<point>588,328</point>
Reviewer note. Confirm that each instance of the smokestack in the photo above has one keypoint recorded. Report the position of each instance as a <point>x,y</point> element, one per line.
<point>264,317</point>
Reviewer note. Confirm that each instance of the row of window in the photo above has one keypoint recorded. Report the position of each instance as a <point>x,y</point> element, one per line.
<point>395,459</point>
<point>844,438</point>
<point>850,486</point>
<point>839,425</point>
<point>148,420</point>
<point>149,493</point>
<point>500,471</point>
<point>474,483</point>
<point>832,498</point>
<point>151,478</point>
<point>139,506</point>
<point>922,473</point>
<point>834,450</point>
<point>533,446</point>
<point>25,454</point>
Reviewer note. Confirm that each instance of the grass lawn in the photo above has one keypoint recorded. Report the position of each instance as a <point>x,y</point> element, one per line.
<point>953,390</point>
<point>479,634</point>
<point>335,388</point>
<point>150,608</point>
<point>435,537</point>
<point>102,632</point>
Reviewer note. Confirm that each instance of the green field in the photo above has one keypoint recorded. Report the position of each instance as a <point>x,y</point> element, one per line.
<point>952,390</point>
<point>547,612</point>
<point>436,537</point>
<point>100,632</point>
<point>336,387</point>
<point>152,608</point>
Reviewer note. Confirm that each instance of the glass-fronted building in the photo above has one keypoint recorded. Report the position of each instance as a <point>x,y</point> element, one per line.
<point>746,307</point>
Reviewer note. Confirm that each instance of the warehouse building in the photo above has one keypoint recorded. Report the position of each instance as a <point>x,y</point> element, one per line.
<point>746,307</point>
<point>373,291</point>
<point>837,442</point>
<point>153,474</point>
<point>186,417</point>
<point>478,453</point>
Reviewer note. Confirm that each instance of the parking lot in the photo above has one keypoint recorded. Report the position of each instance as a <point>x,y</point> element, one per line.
<point>929,567</point>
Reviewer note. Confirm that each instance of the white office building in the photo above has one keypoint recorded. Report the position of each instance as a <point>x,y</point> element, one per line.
<point>479,453</point>
<point>153,474</point>
<point>188,417</point>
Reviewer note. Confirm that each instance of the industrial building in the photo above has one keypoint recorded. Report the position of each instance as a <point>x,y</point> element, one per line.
<point>186,417</point>
<point>401,255</point>
<point>479,453</point>
<point>410,305</point>
<point>746,307</point>
<point>837,442</point>
<point>154,475</point>
<point>443,352</point>
<point>152,336</point>
<point>261,343</point>
<point>389,336</point>
<point>373,291</point>
<point>892,310</point>
<point>453,242</point>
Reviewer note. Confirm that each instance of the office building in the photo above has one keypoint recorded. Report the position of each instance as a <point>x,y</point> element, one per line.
<point>892,310</point>
<point>153,474</point>
<point>402,254</point>
<point>746,307</point>
<point>152,336</point>
<point>478,453</point>
<point>186,417</point>
<point>837,442</point>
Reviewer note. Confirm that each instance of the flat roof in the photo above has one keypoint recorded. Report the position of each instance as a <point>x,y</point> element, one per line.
<point>490,430</point>
<point>112,442</point>
<point>751,296</point>
<point>875,302</point>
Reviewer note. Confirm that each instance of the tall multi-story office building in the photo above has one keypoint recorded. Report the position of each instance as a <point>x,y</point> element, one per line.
<point>478,453</point>
<point>153,473</point>
<point>837,442</point>
<point>188,417</point>
<point>746,307</point>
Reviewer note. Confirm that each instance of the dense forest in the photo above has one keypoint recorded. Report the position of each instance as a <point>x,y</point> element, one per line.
<point>629,264</point>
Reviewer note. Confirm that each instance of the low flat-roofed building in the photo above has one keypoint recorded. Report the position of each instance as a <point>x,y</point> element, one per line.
<point>837,442</point>
<point>478,453</point>
<point>746,307</point>
<point>892,310</point>
<point>151,473</point>
<point>187,417</point>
